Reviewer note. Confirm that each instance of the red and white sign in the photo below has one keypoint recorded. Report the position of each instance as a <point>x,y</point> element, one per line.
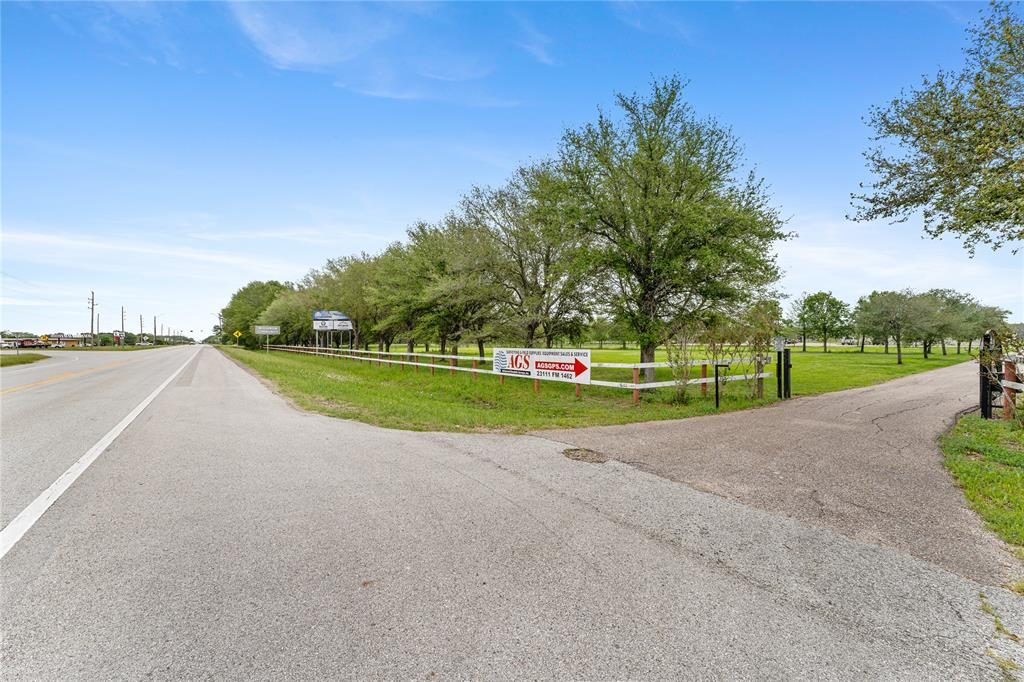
<point>551,364</point>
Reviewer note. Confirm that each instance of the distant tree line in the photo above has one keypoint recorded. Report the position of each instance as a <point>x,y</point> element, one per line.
<point>896,317</point>
<point>643,228</point>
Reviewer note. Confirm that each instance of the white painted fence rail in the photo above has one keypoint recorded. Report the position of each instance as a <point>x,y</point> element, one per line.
<point>383,357</point>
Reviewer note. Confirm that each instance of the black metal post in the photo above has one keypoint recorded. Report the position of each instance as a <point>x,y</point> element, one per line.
<point>985,397</point>
<point>716,384</point>
<point>778,372</point>
<point>787,365</point>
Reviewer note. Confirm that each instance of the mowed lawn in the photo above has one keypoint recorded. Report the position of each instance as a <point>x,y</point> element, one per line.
<point>9,359</point>
<point>986,457</point>
<point>403,398</point>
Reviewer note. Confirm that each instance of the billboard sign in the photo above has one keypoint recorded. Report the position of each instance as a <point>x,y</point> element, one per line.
<point>328,315</point>
<point>550,364</point>
<point>267,330</point>
<point>332,325</point>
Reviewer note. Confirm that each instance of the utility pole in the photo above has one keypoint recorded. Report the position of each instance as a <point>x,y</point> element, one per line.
<point>92,316</point>
<point>122,327</point>
<point>154,330</point>
<point>140,328</point>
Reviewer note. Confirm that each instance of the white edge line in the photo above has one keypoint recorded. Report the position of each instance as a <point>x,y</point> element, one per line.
<point>21,523</point>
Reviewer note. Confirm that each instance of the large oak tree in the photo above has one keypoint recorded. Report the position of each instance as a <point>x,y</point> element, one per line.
<point>676,228</point>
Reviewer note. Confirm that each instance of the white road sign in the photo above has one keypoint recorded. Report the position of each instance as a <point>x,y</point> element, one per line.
<point>342,325</point>
<point>551,364</point>
<point>323,325</point>
<point>267,330</point>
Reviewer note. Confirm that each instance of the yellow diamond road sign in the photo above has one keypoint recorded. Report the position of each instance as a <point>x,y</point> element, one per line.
<point>44,337</point>
<point>237,333</point>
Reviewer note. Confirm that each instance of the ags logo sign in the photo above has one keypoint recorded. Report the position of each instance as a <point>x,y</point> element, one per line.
<point>541,363</point>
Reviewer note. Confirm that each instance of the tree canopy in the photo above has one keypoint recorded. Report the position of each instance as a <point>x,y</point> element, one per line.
<point>953,148</point>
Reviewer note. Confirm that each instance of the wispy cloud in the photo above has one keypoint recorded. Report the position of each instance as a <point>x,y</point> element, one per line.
<point>534,42</point>
<point>114,246</point>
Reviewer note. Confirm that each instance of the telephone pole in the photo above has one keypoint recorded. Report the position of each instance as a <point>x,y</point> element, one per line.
<point>122,326</point>
<point>140,328</point>
<point>154,330</point>
<point>92,317</point>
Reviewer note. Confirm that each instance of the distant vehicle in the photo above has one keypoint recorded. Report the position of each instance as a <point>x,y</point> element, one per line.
<point>8,344</point>
<point>58,345</point>
<point>32,343</point>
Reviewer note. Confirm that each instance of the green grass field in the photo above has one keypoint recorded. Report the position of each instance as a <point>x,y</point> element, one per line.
<point>986,457</point>
<point>402,398</point>
<point>7,360</point>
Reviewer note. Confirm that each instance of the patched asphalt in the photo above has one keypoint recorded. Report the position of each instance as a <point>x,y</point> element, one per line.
<point>863,462</point>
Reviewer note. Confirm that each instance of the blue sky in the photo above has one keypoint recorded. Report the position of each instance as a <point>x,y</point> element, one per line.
<point>165,154</point>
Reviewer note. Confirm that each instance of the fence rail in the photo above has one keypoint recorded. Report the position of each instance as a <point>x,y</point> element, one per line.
<point>385,358</point>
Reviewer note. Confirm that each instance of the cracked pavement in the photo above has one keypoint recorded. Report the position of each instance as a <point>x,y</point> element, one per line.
<point>863,462</point>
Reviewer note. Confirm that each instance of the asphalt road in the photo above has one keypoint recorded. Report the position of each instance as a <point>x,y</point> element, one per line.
<point>226,535</point>
<point>864,462</point>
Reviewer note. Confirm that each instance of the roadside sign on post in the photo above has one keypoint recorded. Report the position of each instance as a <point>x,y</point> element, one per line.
<point>342,325</point>
<point>549,364</point>
<point>267,330</point>
<point>323,325</point>
<point>237,334</point>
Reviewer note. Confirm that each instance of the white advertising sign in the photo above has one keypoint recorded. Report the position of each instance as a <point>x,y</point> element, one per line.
<point>323,325</point>
<point>267,330</point>
<point>551,364</point>
<point>342,325</point>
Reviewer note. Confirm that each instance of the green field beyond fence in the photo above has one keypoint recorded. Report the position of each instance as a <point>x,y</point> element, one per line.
<point>398,397</point>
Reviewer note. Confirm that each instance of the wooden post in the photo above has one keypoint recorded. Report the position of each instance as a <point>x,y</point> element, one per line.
<point>1009,394</point>
<point>501,379</point>
<point>474,369</point>
<point>536,386</point>
<point>577,390</point>
<point>451,364</point>
<point>636,380</point>
<point>433,362</point>
<point>758,368</point>
<point>704,386</point>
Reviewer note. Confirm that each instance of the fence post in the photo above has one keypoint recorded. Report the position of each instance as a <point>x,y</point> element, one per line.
<point>474,369</point>
<point>704,384</point>
<point>636,380</point>
<point>758,368</point>
<point>451,365</point>
<point>1009,394</point>
<point>536,386</point>
<point>577,390</point>
<point>433,363</point>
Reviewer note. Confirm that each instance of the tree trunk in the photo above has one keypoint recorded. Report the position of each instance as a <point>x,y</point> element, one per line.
<point>803,336</point>
<point>970,342</point>
<point>600,344</point>
<point>623,344</point>
<point>387,346</point>
<point>410,346</point>
<point>824,340</point>
<point>548,341</point>
<point>958,347</point>
<point>647,355</point>
<point>899,350</point>
<point>380,344</point>
<point>861,343</point>
<point>426,346</point>
<point>943,346</point>
<point>886,345</point>
<point>444,344</point>
<point>480,347</point>
<point>924,347</point>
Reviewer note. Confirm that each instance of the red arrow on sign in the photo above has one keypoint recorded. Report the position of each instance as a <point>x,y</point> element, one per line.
<point>575,366</point>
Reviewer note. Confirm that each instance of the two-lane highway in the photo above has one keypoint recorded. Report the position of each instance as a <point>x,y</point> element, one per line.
<point>54,410</point>
<point>224,534</point>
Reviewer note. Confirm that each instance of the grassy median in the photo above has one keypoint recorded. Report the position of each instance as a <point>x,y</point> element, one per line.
<point>7,360</point>
<point>986,457</point>
<point>403,398</point>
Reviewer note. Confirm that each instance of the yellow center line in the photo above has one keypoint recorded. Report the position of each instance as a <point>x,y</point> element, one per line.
<point>63,376</point>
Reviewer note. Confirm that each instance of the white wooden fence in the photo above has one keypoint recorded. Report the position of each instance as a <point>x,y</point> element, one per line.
<point>412,360</point>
